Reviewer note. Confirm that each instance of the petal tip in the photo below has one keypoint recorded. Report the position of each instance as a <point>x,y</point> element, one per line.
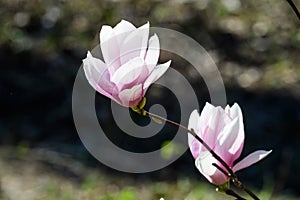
<point>88,56</point>
<point>166,64</point>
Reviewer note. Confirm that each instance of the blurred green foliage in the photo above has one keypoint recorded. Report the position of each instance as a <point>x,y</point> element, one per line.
<point>266,32</point>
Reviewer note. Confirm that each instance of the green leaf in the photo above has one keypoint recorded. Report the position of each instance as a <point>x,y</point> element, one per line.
<point>157,120</point>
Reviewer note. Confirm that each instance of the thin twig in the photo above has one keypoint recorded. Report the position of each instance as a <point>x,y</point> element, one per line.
<point>296,11</point>
<point>197,137</point>
<point>232,193</point>
<point>243,187</point>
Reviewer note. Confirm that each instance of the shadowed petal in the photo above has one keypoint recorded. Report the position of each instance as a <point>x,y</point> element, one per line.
<point>94,70</point>
<point>141,79</point>
<point>95,64</point>
<point>128,73</point>
<point>135,44</point>
<point>152,54</point>
<point>157,72</point>
<point>193,143</point>
<point>212,174</point>
<point>131,97</point>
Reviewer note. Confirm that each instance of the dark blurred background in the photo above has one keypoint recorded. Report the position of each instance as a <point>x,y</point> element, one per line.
<point>255,44</point>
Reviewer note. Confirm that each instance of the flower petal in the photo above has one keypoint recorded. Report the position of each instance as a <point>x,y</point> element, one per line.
<point>141,78</point>
<point>152,54</point>
<point>122,30</point>
<point>204,164</point>
<point>106,33</point>
<point>94,70</point>
<point>135,44</point>
<point>228,135</point>
<point>227,110</point>
<point>131,97</point>
<point>110,48</point>
<point>128,73</point>
<point>237,146</point>
<point>193,143</point>
<point>235,111</point>
<point>226,139</point>
<point>212,128</point>
<point>206,113</point>
<point>251,159</point>
<point>193,121</point>
<point>95,64</point>
<point>157,72</point>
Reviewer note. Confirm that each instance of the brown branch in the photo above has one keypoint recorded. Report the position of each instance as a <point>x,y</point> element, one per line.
<point>232,193</point>
<point>296,11</point>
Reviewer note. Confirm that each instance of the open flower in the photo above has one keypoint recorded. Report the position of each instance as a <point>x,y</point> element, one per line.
<point>130,63</point>
<point>223,131</point>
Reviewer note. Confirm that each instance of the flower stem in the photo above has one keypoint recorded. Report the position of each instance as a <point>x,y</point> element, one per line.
<point>230,173</point>
<point>296,11</point>
<point>240,185</point>
<point>232,193</point>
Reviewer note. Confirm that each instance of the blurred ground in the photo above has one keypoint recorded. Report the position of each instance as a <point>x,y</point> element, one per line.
<point>48,175</point>
<point>255,44</point>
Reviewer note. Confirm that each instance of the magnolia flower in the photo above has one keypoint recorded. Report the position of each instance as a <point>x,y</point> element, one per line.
<point>130,63</point>
<point>223,131</point>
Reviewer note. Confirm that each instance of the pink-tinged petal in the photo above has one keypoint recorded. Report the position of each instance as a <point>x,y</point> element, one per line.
<point>235,111</point>
<point>140,80</point>
<point>237,146</point>
<point>204,164</point>
<point>128,73</point>
<point>135,44</point>
<point>157,72</point>
<point>225,141</point>
<point>228,135</point>
<point>227,110</point>
<point>122,30</point>
<point>144,75</point>
<point>206,113</point>
<point>251,159</point>
<point>153,51</point>
<point>234,146</point>
<point>105,83</point>
<point>131,97</point>
<point>110,48</point>
<point>212,128</point>
<point>94,70</point>
<point>194,144</point>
